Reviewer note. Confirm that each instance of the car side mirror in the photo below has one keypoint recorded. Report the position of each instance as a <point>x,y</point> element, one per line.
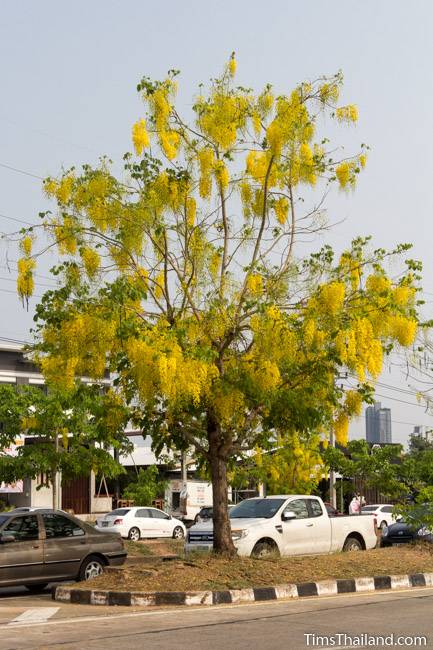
<point>398,518</point>
<point>288,515</point>
<point>6,539</point>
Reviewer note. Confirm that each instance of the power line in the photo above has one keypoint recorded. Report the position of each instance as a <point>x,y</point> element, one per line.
<point>27,223</point>
<point>39,284</point>
<point>394,399</point>
<point>34,295</point>
<point>20,171</point>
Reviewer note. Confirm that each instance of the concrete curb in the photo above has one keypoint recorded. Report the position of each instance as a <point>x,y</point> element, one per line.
<point>70,594</point>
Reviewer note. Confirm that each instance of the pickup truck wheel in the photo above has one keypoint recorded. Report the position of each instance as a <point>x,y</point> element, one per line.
<point>134,534</point>
<point>352,544</point>
<point>264,549</point>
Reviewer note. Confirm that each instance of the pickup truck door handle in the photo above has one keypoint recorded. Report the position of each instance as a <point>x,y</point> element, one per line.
<point>309,525</point>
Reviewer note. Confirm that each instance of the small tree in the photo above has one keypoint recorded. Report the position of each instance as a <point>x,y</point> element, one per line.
<point>181,276</point>
<point>72,432</point>
<point>146,488</point>
<point>378,468</point>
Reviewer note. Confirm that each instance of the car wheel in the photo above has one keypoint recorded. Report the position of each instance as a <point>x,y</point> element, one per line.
<point>134,534</point>
<point>264,549</point>
<point>352,544</point>
<point>36,589</point>
<point>92,567</point>
<point>178,533</point>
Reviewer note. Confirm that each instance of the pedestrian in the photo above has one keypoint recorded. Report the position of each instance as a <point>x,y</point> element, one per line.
<point>355,505</point>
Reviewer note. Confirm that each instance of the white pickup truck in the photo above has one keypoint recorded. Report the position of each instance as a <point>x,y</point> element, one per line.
<point>289,525</point>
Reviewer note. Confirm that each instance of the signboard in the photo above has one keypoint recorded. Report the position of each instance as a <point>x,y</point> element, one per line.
<point>18,486</point>
<point>12,487</point>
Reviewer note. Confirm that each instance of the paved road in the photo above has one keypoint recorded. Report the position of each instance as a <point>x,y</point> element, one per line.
<point>273,626</point>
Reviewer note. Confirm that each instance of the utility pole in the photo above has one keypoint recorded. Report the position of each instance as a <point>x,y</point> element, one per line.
<point>55,475</point>
<point>332,489</point>
<point>332,485</point>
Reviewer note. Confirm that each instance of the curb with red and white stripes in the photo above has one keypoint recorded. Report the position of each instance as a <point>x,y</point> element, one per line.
<point>70,594</point>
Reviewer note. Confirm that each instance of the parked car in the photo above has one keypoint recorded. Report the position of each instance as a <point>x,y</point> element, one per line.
<point>404,532</point>
<point>134,523</point>
<point>382,512</point>
<point>34,509</point>
<point>288,525</point>
<point>49,546</point>
<point>207,513</point>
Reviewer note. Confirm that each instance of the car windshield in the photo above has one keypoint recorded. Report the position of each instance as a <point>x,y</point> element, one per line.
<point>3,518</point>
<point>119,511</point>
<point>369,508</point>
<point>256,508</point>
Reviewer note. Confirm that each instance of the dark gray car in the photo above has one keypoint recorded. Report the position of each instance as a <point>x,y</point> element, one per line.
<point>49,546</point>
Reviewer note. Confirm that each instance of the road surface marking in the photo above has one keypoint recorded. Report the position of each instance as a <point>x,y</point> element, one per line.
<point>35,615</point>
<point>101,618</point>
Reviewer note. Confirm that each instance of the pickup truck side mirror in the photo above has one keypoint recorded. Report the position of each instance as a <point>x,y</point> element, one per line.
<point>5,539</point>
<point>288,515</point>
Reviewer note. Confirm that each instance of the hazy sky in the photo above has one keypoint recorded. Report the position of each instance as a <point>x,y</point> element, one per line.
<point>68,77</point>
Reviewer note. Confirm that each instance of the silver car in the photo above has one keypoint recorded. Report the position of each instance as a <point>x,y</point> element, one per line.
<point>49,546</point>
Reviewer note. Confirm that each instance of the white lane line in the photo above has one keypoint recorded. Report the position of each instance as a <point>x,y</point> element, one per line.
<point>35,615</point>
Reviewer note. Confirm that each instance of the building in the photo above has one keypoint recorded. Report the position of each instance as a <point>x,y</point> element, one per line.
<point>378,424</point>
<point>421,431</point>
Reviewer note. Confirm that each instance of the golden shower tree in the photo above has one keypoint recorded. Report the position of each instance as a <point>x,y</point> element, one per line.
<point>181,278</point>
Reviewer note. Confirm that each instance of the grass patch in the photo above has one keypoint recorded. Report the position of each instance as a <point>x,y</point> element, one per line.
<point>212,572</point>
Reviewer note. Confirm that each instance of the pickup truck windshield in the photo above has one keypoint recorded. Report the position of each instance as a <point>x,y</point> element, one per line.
<point>256,508</point>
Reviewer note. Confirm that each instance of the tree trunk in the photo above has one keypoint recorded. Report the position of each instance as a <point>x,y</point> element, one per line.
<point>222,537</point>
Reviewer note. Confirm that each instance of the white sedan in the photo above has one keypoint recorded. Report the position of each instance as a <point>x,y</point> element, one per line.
<point>382,512</point>
<point>138,522</point>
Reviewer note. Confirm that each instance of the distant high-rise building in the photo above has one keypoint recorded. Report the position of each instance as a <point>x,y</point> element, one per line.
<point>421,431</point>
<point>378,424</point>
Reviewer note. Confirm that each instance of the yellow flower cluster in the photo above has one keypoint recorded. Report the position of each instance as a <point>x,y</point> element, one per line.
<point>191,209</point>
<point>341,428</point>
<point>377,283</point>
<point>221,174</point>
<point>25,281</point>
<point>170,141</point>
<point>345,173</point>
<point>232,66</point>
<point>403,330</point>
<point>140,136</point>
<point>281,207</point>
<point>158,365</point>
<point>255,284</point>
<point>329,92</point>
<point>291,124</point>
<point>332,297</point>
<point>347,113</point>
<point>159,102</point>
<point>403,295</point>
<point>91,260</point>
<point>82,343</point>
<point>351,267</point>
<point>353,402</point>
<point>206,158</point>
<point>221,117</point>
<point>359,349</point>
